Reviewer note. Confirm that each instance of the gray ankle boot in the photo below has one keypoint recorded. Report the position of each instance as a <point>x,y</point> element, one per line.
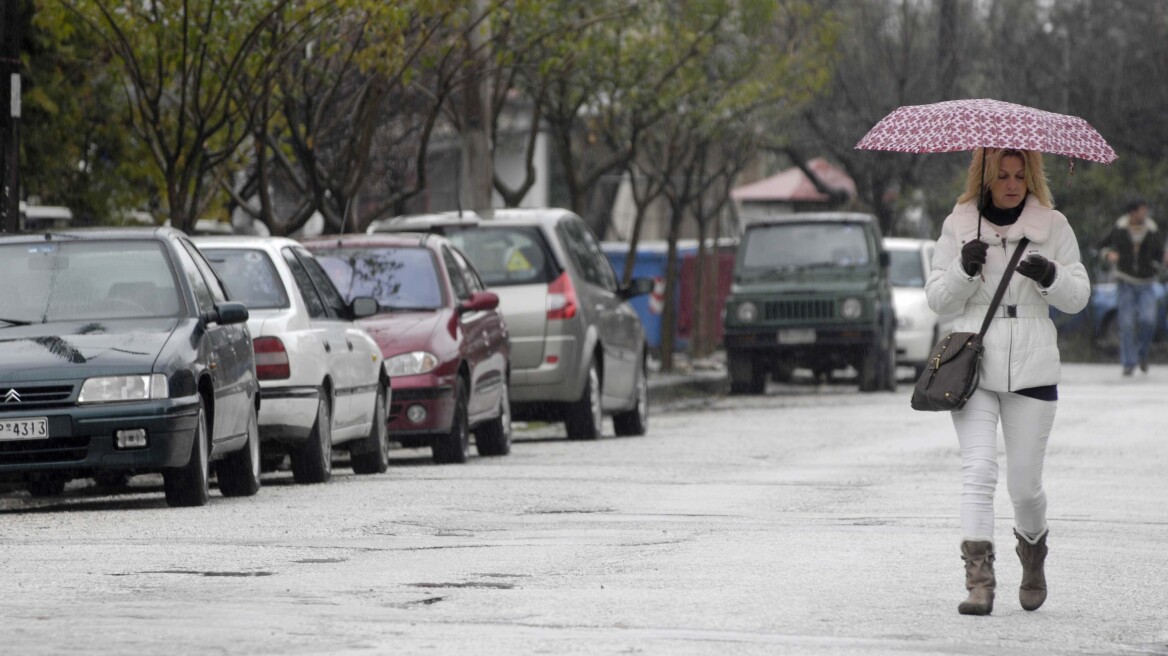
<point>979,577</point>
<point>1033,589</point>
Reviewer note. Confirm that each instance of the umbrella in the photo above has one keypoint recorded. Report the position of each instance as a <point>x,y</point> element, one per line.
<point>956,125</point>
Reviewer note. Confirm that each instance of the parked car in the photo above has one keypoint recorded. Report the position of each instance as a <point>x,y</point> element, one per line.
<point>811,290</point>
<point>121,353</point>
<point>918,328</point>
<point>444,341</point>
<point>578,350</point>
<point>322,376</point>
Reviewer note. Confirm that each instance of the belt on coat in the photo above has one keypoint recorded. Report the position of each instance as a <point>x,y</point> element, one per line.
<point>1029,311</point>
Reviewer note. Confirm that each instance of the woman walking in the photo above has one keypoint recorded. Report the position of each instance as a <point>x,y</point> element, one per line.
<point>1007,198</point>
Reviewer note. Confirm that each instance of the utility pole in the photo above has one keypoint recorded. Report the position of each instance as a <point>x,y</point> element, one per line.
<point>10,36</point>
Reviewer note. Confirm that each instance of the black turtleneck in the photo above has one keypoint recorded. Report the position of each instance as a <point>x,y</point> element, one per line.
<point>1002,218</point>
<point>999,216</point>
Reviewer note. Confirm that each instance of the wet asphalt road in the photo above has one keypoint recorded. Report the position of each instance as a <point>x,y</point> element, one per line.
<point>809,521</point>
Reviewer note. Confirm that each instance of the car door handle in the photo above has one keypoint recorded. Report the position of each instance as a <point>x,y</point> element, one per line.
<point>350,343</point>
<point>328,348</point>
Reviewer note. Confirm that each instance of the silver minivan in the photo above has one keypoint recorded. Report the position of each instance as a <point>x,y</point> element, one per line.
<point>578,350</point>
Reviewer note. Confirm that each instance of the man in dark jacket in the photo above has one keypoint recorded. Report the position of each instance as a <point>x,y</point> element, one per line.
<point>1136,248</point>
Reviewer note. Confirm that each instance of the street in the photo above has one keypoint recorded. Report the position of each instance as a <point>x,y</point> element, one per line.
<point>808,521</point>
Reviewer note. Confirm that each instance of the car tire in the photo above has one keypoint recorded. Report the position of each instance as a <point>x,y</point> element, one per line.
<point>635,421</point>
<point>452,446</point>
<point>189,485</point>
<point>871,368</point>
<point>239,472</point>
<point>371,455</point>
<point>584,418</point>
<point>45,485</point>
<point>312,462</point>
<point>493,438</point>
<point>888,377</point>
<point>745,376</point>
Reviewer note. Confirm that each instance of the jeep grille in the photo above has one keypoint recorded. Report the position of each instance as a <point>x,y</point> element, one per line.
<point>799,310</point>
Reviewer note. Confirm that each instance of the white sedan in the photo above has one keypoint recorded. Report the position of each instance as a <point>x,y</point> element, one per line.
<point>917,327</point>
<point>322,380</point>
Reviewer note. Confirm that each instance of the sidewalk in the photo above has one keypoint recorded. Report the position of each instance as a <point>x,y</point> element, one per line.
<point>689,378</point>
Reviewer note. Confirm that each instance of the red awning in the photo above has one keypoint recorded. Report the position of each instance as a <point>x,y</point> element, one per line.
<point>793,186</point>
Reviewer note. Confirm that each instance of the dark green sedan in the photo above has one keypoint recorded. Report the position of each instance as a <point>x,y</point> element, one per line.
<point>121,354</point>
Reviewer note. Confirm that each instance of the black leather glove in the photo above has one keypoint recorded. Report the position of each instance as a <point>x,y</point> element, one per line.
<point>973,255</point>
<point>1038,268</point>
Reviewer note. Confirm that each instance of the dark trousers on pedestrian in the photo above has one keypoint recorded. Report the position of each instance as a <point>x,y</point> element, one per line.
<point>1137,322</point>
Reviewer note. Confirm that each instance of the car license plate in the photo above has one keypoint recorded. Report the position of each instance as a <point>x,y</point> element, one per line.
<point>797,336</point>
<point>28,428</point>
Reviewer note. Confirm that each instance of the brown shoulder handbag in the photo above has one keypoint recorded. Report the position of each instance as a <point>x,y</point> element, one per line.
<point>951,375</point>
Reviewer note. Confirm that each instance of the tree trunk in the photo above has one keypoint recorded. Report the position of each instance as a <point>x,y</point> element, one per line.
<point>478,171</point>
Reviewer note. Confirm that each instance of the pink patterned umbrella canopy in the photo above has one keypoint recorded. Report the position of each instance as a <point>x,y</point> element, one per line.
<point>982,123</point>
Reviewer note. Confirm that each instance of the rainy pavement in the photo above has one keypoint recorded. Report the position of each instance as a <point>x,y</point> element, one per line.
<point>814,520</point>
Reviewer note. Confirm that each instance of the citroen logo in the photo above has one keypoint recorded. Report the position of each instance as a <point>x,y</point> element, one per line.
<point>12,396</point>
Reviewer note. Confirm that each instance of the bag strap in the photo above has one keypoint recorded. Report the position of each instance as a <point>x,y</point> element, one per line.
<point>985,325</point>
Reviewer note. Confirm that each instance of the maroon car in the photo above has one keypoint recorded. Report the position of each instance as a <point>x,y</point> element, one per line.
<point>443,338</point>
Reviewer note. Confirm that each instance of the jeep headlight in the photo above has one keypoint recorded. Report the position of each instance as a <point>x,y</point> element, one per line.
<point>851,308</point>
<point>411,364</point>
<point>747,312</point>
<point>109,389</point>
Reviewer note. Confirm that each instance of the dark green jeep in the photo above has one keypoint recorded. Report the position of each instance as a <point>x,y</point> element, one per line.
<point>811,291</point>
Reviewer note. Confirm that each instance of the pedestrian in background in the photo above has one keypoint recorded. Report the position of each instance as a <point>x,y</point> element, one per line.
<point>1136,248</point>
<point>1019,370</point>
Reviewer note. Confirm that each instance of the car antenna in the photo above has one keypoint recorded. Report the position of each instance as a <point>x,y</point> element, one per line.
<point>345,217</point>
<point>458,190</point>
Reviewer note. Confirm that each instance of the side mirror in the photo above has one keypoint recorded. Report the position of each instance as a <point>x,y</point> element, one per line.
<point>885,259</point>
<point>226,314</point>
<point>363,306</point>
<point>637,287</point>
<point>478,302</point>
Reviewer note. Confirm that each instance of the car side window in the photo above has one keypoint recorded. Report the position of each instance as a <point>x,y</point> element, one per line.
<point>456,280</point>
<point>579,242</point>
<point>304,283</point>
<point>468,273</point>
<point>333,300</point>
<point>203,296</point>
<point>218,293</point>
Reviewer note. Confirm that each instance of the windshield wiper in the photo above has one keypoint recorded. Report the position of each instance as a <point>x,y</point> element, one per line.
<point>16,322</point>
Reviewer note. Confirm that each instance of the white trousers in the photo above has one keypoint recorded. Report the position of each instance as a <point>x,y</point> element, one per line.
<point>1026,425</point>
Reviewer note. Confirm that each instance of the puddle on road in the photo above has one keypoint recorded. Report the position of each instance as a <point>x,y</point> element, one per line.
<point>467,584</point>
<point>192,572</point>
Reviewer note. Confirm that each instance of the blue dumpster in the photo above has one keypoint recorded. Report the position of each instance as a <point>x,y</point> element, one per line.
<point>650,263</point>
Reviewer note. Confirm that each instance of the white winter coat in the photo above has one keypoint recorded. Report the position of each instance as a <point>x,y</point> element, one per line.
<point>1019,352</point>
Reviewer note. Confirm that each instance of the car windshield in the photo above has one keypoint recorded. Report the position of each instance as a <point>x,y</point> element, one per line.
<point>806,245</point>
<point>905,269</point>
<point>86,280</point>
<point>399,278</point>
<point>250,276</point>
<point>506,255</point>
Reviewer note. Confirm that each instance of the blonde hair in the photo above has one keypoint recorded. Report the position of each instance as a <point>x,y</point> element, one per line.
<point>1036,183</point>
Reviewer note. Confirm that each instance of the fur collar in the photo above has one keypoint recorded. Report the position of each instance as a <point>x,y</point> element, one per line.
<point>1035,223</point>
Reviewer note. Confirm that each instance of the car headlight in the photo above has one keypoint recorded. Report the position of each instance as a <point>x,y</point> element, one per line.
<point>109,389</point>
<point>747,312</point>
<point>411,364</point>
<point>904,323</point>
<point>851,308</point>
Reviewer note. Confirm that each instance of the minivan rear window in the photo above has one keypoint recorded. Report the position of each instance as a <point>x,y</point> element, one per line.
<point>506,255</point>
<point>806,245</point>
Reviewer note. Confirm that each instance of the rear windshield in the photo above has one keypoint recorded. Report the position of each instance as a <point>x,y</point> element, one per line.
<point>806,245</point>
<point>250,276</point>
<point>399,278</point>
<point>86,280</point>
<point>905,269</point>
<point>506,255</point>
